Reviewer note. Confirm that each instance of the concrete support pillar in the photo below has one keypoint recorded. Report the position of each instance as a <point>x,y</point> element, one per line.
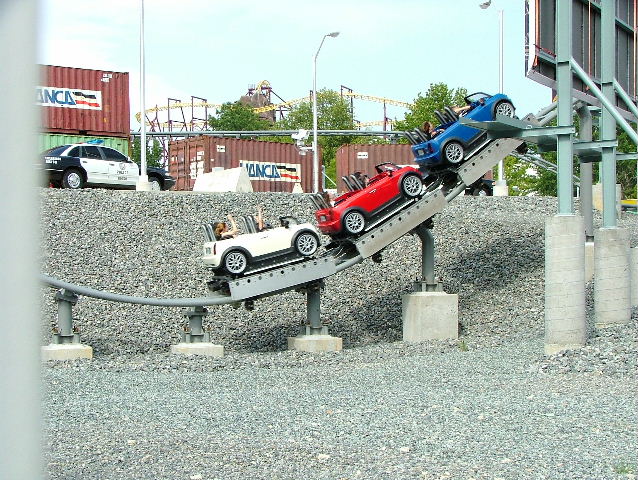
<point>314,336</point>
<point>565,319</point>
<point>634,277</point>
<point>612,294</point>
<point>430,316</point>
<point>501,189</point>
<point>195,340</point>
<point>65,341</point>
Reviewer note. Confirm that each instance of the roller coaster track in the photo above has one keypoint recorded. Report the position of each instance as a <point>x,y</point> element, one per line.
<point>272,106</point>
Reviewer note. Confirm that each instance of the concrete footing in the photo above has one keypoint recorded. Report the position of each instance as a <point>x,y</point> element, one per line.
<point>204,349</point>
<point>430,316</point>
<point>315,343</point>
<point>500,189</point>
<point>60,352</point>
<point>565,318</point>
<point>612,293</point>
<point>589,261</point>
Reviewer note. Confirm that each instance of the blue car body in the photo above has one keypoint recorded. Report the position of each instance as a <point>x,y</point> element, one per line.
<point>483,107</point>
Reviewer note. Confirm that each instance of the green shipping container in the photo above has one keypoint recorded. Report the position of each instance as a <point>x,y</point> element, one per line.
<point>50,140</point>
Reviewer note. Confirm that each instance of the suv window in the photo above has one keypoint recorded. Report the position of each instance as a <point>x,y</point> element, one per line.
<point>111,154</point>
<point>91,152</point>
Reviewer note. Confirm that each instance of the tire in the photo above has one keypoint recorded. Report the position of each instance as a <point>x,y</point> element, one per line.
<point>235,262</point>
<point>453,152</point>
<point>73,179</point>
<point>504,108</point>
<point>306,244</point>
<point>481,192</point>
<point>411,186</point>
<point>354,222</point>
<point>156,186</point>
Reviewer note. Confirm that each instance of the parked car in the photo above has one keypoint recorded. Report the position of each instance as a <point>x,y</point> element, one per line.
<point>93,165</point>
<point>456,140</point>
<point>365,206</point>
<point>254,251</point>
<point>483,187</point>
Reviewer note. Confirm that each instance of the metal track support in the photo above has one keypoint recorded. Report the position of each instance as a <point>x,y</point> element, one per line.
<point>427,282</point>
<point>65,333</point>
<point>313,311</point>
<point>195,333</point>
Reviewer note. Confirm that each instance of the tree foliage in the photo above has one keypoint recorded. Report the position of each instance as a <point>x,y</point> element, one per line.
<point>333,113</point>
<point>438,96</point>
<point>237,117</point>
<point>153,153</point>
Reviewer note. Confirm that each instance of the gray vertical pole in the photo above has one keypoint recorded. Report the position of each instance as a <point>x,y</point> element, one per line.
<point>586,174</point>
<point>20,455</point>
<point>564,89</point>
<point>313,308</point>
<point>612,293</point>
<point>565,320</point>
<point>608,124</point>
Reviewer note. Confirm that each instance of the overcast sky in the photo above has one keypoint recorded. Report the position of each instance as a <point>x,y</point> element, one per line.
<point>216,49</point>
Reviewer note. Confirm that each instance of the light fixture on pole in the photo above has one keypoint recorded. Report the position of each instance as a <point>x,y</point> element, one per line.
<point>142,182</point>
<point>315,153</point>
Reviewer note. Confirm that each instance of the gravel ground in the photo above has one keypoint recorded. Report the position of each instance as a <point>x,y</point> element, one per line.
<point>490,405</point>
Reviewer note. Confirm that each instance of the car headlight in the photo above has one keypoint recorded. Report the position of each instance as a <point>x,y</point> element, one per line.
<point>322,218</point>
<point>207,251</point>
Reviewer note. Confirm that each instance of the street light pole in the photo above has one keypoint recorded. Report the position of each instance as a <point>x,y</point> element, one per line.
<point>501,184</point>
<point>142,182</point>
<point>501,164</point>
<point>315,152</point>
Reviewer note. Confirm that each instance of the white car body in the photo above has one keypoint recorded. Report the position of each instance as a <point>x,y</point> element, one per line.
<point>262,246</point>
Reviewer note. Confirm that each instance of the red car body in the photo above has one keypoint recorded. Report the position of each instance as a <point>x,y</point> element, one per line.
<point>362,208</point>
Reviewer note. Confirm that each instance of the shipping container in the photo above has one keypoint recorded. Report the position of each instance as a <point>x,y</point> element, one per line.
<point>77,101</point>
<point>271,166</point>
<point>50,140</point>
<point>363,158</point>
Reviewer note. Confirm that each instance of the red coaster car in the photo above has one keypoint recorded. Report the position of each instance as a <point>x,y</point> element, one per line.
<point>365,206</point>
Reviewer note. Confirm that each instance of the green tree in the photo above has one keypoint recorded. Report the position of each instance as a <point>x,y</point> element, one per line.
<point>153,153</point>
<point>237,117</point>
<point>438,96</point>
<point>333,113</point>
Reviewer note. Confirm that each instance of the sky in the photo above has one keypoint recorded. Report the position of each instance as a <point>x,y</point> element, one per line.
<point>216,49</point>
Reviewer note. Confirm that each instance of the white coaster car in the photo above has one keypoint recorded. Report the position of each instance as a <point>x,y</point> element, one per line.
<point>257,251</point>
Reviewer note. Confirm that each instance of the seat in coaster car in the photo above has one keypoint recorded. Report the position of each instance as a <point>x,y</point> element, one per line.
<point>209,232</point>
<point>423,136</point>
<point>452,113</point>
<point>250,225</point>
<point>441,117</point>
<point>356,183</point>
<point>347,182</point>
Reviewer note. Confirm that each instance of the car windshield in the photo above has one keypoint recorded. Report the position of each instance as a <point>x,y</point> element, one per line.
<point>56,150</point>
<point>475,97</point>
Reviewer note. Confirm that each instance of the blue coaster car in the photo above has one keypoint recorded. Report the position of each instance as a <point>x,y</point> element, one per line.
<point>451,141</point>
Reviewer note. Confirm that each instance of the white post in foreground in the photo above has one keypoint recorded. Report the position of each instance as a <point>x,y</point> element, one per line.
<point>20,423</point>
<point>142,183</point>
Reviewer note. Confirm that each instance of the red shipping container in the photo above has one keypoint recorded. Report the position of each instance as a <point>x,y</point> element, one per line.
<point>271,166</point>
<point>78,101</point>
<point>362,158</point>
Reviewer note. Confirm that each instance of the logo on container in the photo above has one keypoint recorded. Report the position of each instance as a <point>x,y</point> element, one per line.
<point>278,172</point>
<point>68,98</point>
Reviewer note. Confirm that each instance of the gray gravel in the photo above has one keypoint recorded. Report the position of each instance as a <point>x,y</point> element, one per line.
<point>490,405</point>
